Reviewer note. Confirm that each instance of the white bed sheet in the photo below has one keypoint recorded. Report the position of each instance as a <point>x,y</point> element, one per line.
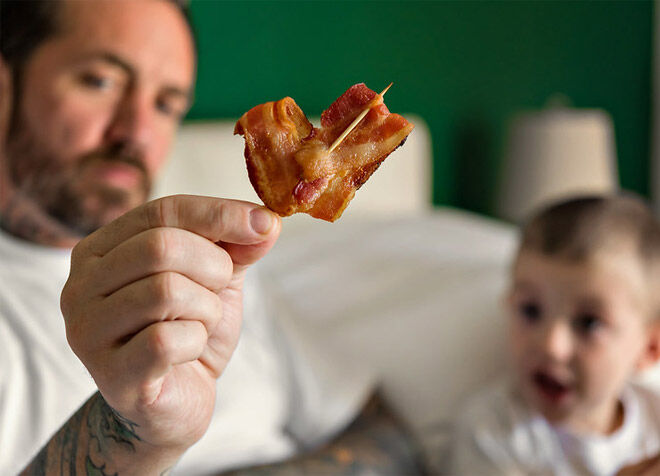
<point>416,297</point>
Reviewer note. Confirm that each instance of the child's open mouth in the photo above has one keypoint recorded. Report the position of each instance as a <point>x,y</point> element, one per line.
<point>550,387</point>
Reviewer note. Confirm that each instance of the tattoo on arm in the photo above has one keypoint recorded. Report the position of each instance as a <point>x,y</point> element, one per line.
<point>105,424</point>
<point>83,444</point>
<point>21,217</point>
<point>375,443</point>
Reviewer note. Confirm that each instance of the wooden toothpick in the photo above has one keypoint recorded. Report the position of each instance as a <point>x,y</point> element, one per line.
<point>355,123</point>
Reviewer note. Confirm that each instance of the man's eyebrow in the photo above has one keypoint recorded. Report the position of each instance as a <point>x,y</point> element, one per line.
<point>112,58</point>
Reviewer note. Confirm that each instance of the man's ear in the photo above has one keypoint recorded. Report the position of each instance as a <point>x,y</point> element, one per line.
<point>651,353</point>
<point>6,100</point>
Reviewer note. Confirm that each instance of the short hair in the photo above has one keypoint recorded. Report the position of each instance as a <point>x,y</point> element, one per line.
<point>25,24</point>
<point>575,229</point>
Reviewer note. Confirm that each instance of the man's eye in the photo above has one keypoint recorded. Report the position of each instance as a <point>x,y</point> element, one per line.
<point>530,311</point>
<point>167,109</point>
<point>96,81</point>
<point>587,323</point>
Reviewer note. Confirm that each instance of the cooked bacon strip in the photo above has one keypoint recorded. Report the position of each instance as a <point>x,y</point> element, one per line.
<point>288,160</point>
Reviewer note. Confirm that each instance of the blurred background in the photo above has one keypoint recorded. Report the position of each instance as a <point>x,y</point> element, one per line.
<point>467,67</point>
<point>523,101</point>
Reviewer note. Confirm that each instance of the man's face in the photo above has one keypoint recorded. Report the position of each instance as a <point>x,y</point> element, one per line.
<point>99,105</point>
<point>578,332</point>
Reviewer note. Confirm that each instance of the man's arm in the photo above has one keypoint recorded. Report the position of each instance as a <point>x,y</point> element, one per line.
<point>375,443</point>
<point>93,436</point>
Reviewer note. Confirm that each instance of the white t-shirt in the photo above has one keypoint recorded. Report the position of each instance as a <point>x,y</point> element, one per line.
<point>498,434</point>
<point>279,392</point>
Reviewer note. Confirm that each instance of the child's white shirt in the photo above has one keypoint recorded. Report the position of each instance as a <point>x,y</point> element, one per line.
<point>498,434</point>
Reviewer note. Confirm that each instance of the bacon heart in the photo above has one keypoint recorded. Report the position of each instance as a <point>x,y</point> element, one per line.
<point>288,161</point>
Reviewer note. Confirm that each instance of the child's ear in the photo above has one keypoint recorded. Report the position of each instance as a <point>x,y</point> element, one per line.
<point>506,300</point>
<point>651,353</point>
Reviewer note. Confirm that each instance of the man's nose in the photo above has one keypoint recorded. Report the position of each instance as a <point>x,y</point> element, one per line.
<point>133,122</point>
<point>557,341</point>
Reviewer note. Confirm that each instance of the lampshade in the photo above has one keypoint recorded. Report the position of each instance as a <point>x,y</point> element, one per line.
<point>554,154</point>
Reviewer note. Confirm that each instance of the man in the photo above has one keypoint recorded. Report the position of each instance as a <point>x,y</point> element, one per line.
<point>91,94</point>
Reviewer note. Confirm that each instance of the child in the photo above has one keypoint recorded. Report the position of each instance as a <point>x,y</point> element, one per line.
<point>584,308</point>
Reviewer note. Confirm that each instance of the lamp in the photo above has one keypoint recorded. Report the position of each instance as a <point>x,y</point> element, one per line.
<point>553,154</point>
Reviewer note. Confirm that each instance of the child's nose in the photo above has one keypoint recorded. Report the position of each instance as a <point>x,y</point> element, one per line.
<point>557,341</point>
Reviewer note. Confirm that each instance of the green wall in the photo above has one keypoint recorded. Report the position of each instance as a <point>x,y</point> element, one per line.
<point>466,67</point>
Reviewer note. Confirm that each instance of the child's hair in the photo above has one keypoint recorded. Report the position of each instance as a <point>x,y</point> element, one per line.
<point>577,228</point>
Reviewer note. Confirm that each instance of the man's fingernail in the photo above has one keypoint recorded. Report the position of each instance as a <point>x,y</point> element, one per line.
<point>261,220</point>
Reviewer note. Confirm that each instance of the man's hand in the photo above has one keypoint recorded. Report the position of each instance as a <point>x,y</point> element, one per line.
<point>153,308</point>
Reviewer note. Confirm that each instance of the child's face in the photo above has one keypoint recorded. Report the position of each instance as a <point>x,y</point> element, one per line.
<point>578,332</point>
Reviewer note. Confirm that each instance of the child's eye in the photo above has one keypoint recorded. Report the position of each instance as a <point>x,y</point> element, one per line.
<point>530,311</point>
<point>587,323</point>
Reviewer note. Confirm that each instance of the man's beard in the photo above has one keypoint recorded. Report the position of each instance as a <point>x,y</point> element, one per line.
<point>57,186</point>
